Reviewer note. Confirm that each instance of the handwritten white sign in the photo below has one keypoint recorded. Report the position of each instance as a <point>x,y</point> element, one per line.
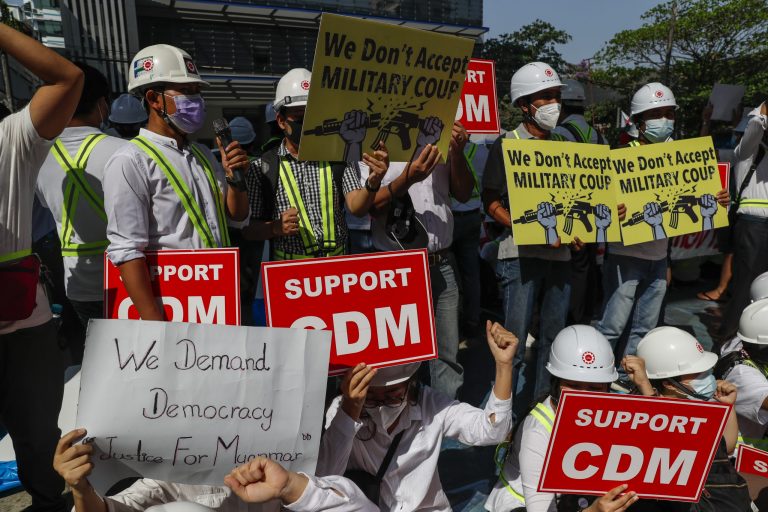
<point>186,403</point>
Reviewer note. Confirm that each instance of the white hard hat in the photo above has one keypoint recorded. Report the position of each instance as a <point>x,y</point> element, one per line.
<point>753,325</point>
<point>293,89</point>
<point>759,287</point>
<point>127,109</point>
<point>573,92</point>
<point>531,78</point>
<point>650,96</point>
<point>162,63</point>
<point>394,375</point>
<point>179,506</point>
<point>581,353</point>
<point>242,130</point>
<point>671,352</point>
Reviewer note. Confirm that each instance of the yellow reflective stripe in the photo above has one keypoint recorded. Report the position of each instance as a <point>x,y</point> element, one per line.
<point>515,135</point>
<point>500,466</point>
<point>281,255</point>
<point>217,194</point>
<point>288,181</point>
<point>326,206</point>
<point>15,255</point>
<point>468,157</point>
<point>584,137</point>
<point>187,200</point>
<point>75,170</point>
<point>760,203</point>
<point>546,410</point>
<point>544,415</point>
<point>633,143</point>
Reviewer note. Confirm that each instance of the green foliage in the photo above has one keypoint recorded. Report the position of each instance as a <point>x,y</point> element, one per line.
<point>712,41</point>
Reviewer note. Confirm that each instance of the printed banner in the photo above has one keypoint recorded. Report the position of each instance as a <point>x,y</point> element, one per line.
<point>560,190</point>
<point>187,403</point>
<point>196,286</point>
<point>695,245</point>
<point>379,306</point>
<point>669,189</point>
<point>662,448</point>
<point>752,461</point>
<point>478,109</point>
<point>372,80</point>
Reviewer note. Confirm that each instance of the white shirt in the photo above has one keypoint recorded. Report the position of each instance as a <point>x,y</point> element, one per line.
<point>411,482</point>
<point>332,494</point>
<point>83,275</point>
<point>743,156</point>
<point>143,210</point>
<point>22,151</point>
<point>522,470</point>
<point>432,203</point>
<point>753,390</point>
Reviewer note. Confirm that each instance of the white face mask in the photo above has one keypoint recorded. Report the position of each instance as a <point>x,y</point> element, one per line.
<point>658,130</point>
<point>384,416</point>
<point>547,115</point>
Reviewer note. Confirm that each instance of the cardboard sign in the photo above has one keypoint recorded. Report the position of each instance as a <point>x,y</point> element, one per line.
<point>725,100</point>
<point>196,286</point>
<point>379,306</point>
<point>669,189</point>
<point>724,168</point>
<point>376,82</point>
<point>187,403</point>
<point>560,190</point>
<point>662,448</point>
<point>752,461</point>
<point>478,109</point>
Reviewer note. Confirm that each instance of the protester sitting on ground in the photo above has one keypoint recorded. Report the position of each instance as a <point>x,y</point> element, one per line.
<point>261,481</point>
<point>516,489</point>
<point>387,409</point>
<point>745,363</point>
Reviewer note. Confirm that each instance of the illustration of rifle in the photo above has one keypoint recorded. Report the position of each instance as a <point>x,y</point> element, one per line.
<point>399,125</point>
<point>333,126</point>
<point>684,204</point>
<point>531,215</point>
<point>639,218</point>
<point>580,210</point>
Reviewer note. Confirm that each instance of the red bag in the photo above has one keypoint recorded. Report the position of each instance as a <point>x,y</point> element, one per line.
<point>19,280</point>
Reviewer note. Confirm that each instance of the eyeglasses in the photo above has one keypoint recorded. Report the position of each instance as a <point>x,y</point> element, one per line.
<point>390,401</point>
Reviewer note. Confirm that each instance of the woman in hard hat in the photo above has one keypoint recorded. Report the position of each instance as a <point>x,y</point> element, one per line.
<point>580,358</point>
<point>385,423</point>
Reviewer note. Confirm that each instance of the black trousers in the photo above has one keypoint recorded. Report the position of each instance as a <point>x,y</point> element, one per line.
<point>750,259</point>
<point>31,389</point>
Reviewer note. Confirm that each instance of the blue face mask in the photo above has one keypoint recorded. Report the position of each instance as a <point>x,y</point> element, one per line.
<point>704,385</point>
<point>190,112</point>
<point>658,130</point>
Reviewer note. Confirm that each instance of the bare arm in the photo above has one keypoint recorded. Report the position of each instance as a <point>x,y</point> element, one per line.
<point>135,275</point>
<point>54,103</point>
<point>462,181</point>
<point>494,207</point>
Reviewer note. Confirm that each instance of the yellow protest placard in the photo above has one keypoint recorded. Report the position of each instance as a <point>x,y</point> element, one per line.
<point>374,82</point>
<point>560,190</point>
<point>669,189</point>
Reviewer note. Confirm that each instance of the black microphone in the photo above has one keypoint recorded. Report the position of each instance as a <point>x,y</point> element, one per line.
<point>224,133</point>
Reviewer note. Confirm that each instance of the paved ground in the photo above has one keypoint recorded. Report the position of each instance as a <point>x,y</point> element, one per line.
<point>468,473</point>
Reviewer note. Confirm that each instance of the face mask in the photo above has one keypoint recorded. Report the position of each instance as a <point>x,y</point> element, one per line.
<point>385,416</point>
<point>703,385</point>
<point>296,127</point>
<point>190,113</point>
<point>658,130</point>
<point>547,115</point>
<point>104,124</point>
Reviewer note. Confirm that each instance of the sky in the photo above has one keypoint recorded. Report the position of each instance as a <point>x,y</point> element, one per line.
<point>590,22</point>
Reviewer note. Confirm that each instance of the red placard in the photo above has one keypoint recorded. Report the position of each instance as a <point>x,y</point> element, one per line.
<point>478,109</point>
<point>725,173</point>
<point>379,306</point>
<point>663,448</point>
<point>751,460</point>
<point>196,286</point>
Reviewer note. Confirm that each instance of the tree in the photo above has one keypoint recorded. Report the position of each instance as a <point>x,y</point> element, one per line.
<point>692,44</point>
<point>532,42</point>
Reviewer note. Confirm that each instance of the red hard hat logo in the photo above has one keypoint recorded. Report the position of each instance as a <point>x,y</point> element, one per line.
<point>191,66</point>
<point>659,94</point>
<point>305,85</point>
<point>588,358</point>
<point>147,64</point>
<point>699,347</point>
<point>549,72</point>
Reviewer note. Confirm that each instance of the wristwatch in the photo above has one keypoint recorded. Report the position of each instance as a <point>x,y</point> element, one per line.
<point>236,183</point>
<point>369,188</point>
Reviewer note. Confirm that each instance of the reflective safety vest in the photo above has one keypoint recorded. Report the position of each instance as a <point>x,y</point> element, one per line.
<point>543,415</point>
<point>552,136</point>
<point>762,443</point>
<point>328,218</point>
<point>193,209</point>
<point>77,186</point>
<point>633,143</point>
<point>15,255</point>
<point>469,157</point>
